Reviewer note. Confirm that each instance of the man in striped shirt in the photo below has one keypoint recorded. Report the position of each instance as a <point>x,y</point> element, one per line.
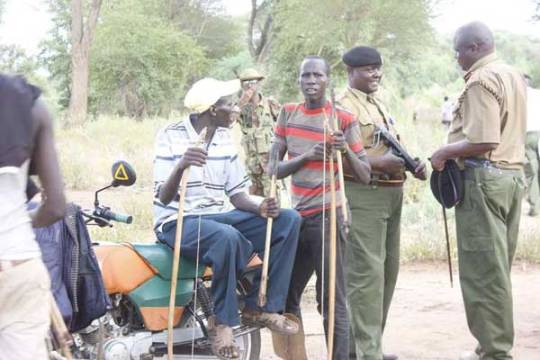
<point>301,132</point>
<point>222,235</point>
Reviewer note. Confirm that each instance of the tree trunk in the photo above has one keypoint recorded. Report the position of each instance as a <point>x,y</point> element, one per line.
<point>82,35</point>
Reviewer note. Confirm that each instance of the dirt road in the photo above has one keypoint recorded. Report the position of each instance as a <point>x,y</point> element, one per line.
<point>427,320</point>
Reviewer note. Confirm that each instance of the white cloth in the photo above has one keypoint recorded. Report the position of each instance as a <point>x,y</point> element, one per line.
<point>446,111</point>
<point>24,311</point>
<point>206,92</point>
<point>209,187</point>
<point>533,109</point>
<point>17,241</point>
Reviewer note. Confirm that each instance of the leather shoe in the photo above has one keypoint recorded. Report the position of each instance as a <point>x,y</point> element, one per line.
<point>469,355</point>
<point>390,357</point>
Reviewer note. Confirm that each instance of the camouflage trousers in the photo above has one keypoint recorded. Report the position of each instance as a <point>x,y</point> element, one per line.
<point>256,168</point>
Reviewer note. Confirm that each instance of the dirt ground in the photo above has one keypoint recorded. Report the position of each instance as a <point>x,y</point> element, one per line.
<point>427,320</point>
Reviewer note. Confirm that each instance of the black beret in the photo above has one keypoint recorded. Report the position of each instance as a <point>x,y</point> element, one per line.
<point>447,185</point>
<point>362,56</point>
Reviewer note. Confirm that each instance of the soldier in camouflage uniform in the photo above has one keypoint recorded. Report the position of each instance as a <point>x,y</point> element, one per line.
<point>257,117</point>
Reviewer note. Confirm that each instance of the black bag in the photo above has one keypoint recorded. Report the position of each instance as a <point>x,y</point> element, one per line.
<point>447,185</point>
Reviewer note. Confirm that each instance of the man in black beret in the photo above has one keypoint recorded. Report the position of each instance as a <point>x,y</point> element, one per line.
<point>373,246</point>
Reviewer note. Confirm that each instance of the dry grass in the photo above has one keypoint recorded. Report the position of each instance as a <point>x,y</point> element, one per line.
<point>87,154</point>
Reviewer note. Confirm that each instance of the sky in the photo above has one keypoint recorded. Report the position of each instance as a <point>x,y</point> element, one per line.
<point>25,22</point>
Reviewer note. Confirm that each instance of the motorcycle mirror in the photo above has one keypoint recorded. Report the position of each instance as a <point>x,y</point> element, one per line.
<point>123,174</point>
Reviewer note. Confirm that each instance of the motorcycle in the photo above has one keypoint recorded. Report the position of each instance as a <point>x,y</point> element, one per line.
<point>137,278</point>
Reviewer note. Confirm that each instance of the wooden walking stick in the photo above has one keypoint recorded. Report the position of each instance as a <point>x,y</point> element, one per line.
<point>339,158</point>
<point>60,331</point>
<point>176,252</point>
<point>332,258</point>
<point>266,260</point>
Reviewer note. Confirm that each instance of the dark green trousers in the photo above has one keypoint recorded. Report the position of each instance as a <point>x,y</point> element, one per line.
<point>487,222</point>
<point>532,170</point>
<point>372,264</point>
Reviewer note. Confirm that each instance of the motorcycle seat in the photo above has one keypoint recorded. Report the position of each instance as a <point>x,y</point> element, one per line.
<point>159,256</point>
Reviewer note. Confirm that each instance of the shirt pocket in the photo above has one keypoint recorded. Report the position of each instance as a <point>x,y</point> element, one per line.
<point>367,129</point>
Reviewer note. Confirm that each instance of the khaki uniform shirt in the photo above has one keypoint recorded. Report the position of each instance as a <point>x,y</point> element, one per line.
<point>492,109</point>
<point>370,113</point>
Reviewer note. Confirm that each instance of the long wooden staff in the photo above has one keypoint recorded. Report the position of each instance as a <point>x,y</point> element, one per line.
<point>332,256</point>
<point>339,158</point>
<point>266,260</point>
<point>59,329</point>
<point>176,254</point>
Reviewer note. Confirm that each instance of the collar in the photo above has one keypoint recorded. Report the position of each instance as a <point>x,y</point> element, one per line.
<point>360,95</point>
<point>192,134</point>
<point>481,63</point>
<point>326,108</point>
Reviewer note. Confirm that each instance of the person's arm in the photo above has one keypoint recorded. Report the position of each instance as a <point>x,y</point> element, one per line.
<point>288,167</point>
<point>194,156</point>
<point>462,149</point>
<point>267,208</point>
<point>45,163</point>
<point>357,164</point>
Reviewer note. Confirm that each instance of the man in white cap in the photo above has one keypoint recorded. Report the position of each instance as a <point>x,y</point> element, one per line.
<point>223,237</point>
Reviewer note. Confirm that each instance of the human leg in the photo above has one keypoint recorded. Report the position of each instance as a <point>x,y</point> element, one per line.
<point>285,231</point>
<point>532,171</point>
<point>221,246</point>
<point>371,209</point>
<point>313,232</point>
<point>484,248</point>
<point>24,311</point>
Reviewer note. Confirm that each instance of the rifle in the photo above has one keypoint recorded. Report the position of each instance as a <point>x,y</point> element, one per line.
<point>410,163</point>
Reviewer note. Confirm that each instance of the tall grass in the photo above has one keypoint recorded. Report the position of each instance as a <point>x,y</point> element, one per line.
<point>87,153</point>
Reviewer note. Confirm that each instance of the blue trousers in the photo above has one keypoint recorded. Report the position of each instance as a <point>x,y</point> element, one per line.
<point>226,243</point>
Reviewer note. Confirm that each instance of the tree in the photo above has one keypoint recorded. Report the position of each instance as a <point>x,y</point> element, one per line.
<point>55,50</point>
<point>84,16</point>
<point>141,63</point>
<point>260,29</point>
<point>206,22</point>
<point>399,29</point>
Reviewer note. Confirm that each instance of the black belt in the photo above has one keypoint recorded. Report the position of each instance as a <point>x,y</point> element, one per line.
<point>375,181</point>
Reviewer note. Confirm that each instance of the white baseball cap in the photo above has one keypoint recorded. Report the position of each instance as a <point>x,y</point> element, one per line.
<point>206,92</point>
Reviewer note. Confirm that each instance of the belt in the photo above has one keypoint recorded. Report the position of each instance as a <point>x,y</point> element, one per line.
<point>8,264</point>
<point>387,183</point>
<point>377,182</point>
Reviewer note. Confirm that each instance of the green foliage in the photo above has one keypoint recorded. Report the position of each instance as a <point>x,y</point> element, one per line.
<point>54,55</point>
<point>14,60</point>
<point>520,51</point>
<point>328,28</point>
<point>229,67</point>
<point>206,22</point>
<point>140,63</point>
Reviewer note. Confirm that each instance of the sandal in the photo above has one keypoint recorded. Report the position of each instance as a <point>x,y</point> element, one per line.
<point>273,321</point>
<point>223,345</point>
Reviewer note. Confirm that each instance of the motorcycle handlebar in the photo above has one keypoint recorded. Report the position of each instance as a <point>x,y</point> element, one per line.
<point>107,214</point>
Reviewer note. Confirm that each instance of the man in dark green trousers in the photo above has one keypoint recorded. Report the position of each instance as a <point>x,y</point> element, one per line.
<point>373,244</point>
<point>487,137</point>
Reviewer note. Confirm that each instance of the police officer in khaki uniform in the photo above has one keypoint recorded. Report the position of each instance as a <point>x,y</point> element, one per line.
<point>487,137</point>
<point>373,246</point>
<point>257,118</point>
